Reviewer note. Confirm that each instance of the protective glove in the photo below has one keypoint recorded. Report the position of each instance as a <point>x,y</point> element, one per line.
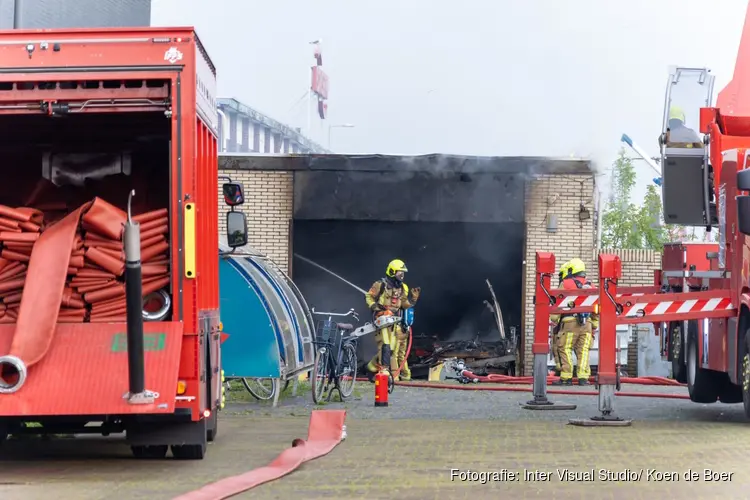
<point>376,307</point>
<point>415,293</point>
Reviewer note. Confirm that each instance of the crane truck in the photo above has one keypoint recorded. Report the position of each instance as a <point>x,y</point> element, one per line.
<point>99,128</point>
<point>699,303</point>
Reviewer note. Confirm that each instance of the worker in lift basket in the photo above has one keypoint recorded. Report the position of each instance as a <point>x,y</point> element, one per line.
<point>678,132</point>
<point>390,295</point>
<point>576,330</point>
<point>556,326</point>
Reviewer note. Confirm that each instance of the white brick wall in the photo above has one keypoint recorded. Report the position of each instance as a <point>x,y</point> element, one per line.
<point>547,197</point>
<point>268,207</point>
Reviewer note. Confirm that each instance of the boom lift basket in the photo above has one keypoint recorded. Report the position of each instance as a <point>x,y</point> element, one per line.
<point>687,183</point>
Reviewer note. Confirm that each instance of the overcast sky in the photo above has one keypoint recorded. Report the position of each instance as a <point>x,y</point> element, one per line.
<point>478,77</point>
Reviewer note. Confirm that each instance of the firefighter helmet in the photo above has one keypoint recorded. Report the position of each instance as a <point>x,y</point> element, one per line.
<point>395,266</point>
<point>574,267</point>
<point>676,113</point>
<point>563,271</point>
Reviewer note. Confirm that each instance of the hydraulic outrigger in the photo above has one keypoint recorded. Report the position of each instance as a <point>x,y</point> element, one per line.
<point>615,305</point>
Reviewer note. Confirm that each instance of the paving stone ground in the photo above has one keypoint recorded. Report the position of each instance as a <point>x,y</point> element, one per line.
<point>407,451</point>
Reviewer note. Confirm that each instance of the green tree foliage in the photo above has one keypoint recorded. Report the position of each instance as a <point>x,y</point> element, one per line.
<point>627,225</point>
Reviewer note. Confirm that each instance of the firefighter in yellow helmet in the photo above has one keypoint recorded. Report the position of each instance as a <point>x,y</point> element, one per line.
<point>679,133</point>
<point>554,344</point>
<point>576,330</point>
<point>390,295</point>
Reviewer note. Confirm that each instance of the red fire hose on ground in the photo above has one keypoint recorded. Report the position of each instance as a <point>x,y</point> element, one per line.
<point>510,380</point>
<point>325,432</point>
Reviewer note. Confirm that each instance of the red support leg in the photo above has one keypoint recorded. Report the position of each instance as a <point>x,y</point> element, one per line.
<point>607,379</point>
<point>545,268</point>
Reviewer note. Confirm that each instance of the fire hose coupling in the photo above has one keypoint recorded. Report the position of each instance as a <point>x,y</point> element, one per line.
<point>166,304</point>
<point>12,374</point>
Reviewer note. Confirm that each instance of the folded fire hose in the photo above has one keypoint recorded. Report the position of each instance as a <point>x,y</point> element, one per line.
<point>42,285</point>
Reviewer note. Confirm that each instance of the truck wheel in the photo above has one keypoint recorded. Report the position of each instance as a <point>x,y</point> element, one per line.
<point>730,393</point>
<point>189,451</point>
<point>677,352</point>
<point>703,385</point>
<point>154,452</point>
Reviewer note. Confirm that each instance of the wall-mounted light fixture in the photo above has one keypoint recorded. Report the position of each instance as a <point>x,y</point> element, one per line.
<point>583,213</point>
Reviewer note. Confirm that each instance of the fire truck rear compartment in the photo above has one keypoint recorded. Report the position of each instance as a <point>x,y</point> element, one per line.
<point>56,164</point>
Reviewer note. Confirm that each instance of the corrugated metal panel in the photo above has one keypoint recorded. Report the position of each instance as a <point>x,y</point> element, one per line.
<point>77,13</point>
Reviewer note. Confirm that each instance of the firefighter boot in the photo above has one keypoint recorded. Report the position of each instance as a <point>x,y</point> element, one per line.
<point>561,381</point>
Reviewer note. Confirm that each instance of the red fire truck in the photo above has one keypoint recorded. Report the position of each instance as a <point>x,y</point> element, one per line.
<point>96,126</point>
<point>700,301</point>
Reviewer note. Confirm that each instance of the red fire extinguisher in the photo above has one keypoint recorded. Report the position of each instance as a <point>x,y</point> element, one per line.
<point>381,388</point>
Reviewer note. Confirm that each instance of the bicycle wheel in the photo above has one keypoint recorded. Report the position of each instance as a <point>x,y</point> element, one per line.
<point>320,376</point>
<point>262,389</point>
<point>348,373</point>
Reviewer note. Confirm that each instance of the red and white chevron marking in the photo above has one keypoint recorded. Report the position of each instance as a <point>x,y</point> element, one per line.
<point>678,307</point>
<point>587,300</point>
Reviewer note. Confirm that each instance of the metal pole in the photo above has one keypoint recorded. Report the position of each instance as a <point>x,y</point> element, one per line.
<point>134,305</point>
<point>131,240</point>
<point>17,19</point>
<point>309,114</point>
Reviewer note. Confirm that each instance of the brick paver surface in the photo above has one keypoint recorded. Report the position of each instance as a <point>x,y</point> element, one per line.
<point>408,450</point>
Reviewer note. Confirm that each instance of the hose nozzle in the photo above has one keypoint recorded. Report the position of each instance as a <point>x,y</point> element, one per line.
<point>12,374</point>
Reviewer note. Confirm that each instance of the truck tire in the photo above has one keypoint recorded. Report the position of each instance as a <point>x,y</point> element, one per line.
<point>703,385</point>
<point>152,452</point>
<point>677,352</point>
<point>730,393</point>
<point>189,451</point>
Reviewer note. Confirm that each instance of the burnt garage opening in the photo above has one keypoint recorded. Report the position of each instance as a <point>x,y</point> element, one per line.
<point>455,223</point>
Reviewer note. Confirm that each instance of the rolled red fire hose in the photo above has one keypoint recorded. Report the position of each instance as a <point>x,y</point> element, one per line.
<point>41,286</point>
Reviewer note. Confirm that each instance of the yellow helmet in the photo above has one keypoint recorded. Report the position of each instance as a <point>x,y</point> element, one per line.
<point>563,270</point>
<point>676,113</point>
<point>395,266</point>
<point>574,266</point>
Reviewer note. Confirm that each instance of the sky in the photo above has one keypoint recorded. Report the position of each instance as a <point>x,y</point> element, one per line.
<point>477,77</point>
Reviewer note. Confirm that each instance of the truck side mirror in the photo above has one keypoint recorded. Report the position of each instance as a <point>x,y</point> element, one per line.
<point>236,229</point>
<point>233,195</point>
<point>743,202</point>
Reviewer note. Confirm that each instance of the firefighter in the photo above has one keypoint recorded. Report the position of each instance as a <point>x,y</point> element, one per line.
<point>576,330</point>
<point>678,132</point>
<point>390,295</point>
<point>556,327</point>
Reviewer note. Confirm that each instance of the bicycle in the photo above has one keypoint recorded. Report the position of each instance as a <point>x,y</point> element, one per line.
<point>336,357</point>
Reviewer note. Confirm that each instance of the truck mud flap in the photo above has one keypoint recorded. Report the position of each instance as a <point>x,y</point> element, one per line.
<point>85,371</point>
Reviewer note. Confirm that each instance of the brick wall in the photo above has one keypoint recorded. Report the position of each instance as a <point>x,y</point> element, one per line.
<point>637,270</point>
<point>268,207</point>
<point>548,198</point>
